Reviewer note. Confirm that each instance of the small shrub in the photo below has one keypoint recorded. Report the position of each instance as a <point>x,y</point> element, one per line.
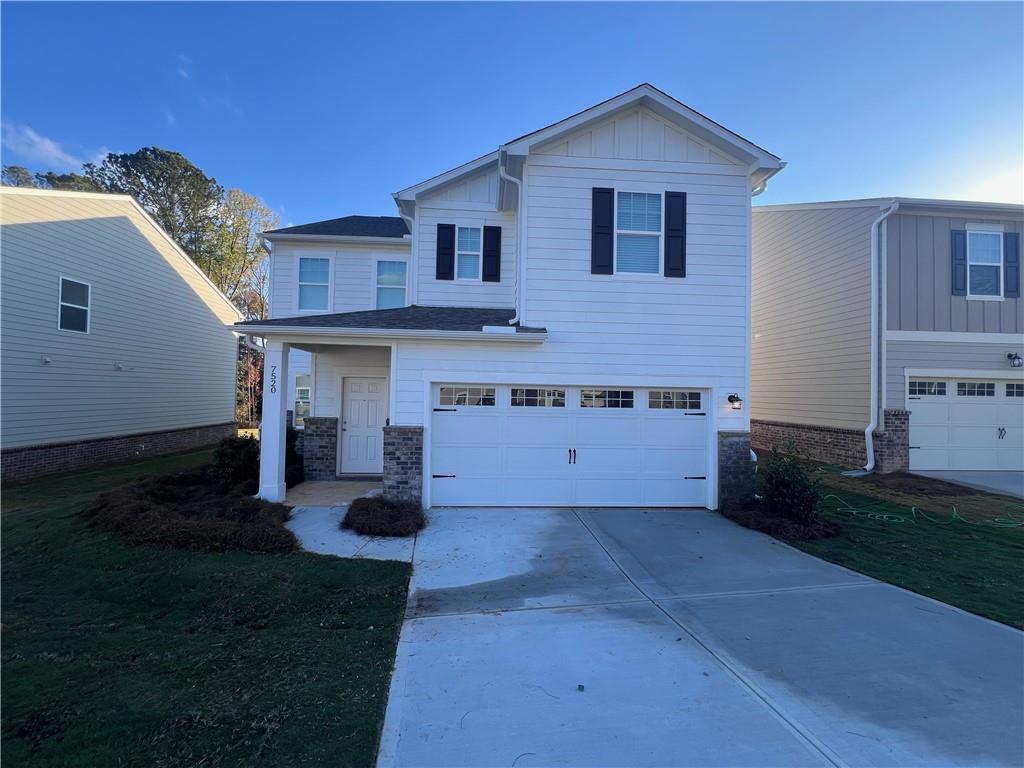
<point>294,466</point>
<point>787,490</point>
<point>237,460</point>
<point>377,516</point>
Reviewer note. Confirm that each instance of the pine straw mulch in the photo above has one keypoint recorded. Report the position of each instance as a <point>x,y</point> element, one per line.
<point>755,515</point>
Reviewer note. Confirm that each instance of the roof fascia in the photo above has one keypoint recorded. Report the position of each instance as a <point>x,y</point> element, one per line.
<point>386,333</point>
<point>403,241</point>
<point>448,177</point>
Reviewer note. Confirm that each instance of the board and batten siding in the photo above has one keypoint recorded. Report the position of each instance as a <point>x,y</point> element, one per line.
<point>158,356</point>
<point>811,310</point>
<point>919,291</point>
<point>608,328</point>
<point>970,357</point>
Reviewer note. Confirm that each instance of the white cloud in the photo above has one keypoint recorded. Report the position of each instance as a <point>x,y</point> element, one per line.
<point>36,150</point>
<point>169,117</point>
<point>184,67</point>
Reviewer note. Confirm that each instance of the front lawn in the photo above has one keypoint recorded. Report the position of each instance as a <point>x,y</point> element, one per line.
<point>118,655</point>
<point>957,545</point>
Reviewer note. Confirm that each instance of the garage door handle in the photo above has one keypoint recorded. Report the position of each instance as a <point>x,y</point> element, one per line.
<point>573,455</point>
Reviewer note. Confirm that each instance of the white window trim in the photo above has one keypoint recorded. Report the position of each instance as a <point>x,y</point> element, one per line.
<point>375,284</point>
<point>62,303</point>
<point>330,284</point>
<point>479,254</point>
<point>967,245</point>
<point>660,235</point>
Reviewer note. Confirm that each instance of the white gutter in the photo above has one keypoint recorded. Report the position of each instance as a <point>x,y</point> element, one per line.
<point>502,156</point>
<point>869,438</point>
<point>390,333</point>
<point>354,239</point>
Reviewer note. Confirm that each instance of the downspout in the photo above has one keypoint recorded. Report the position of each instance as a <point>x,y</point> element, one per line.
<point>869,432</point>
<point>502,155</point>
<point>410,222</point>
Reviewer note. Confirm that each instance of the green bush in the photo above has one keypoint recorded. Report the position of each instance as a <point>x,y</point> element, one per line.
<point>237,460</point>
<point>294,467</point>
<point>377,516</point>
<point>787,490</point>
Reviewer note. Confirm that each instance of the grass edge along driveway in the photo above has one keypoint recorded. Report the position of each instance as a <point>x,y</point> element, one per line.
<point>118,655</point>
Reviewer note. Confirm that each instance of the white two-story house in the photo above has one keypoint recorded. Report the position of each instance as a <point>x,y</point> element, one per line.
<point>564,321</point>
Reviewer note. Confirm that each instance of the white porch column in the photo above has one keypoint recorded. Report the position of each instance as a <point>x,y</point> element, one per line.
<point>275,415</point>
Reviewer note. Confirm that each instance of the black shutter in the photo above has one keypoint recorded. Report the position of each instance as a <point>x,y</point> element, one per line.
<point>492,255</point>
<point>675,234</point>
<point>602,230</point>
<point>958,247</point>
<point>1011,265</point>
<point>445,252</point>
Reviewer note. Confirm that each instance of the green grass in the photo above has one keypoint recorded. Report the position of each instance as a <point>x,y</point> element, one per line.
<point>969,561</point>
<point>116,655</point>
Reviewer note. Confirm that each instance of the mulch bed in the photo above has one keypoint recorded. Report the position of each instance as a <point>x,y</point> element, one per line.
<point>193,510</point>
<point>755,515</point>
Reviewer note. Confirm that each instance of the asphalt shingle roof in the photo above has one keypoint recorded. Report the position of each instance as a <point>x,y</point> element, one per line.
<point>414,318</point>
<point>351,226</point>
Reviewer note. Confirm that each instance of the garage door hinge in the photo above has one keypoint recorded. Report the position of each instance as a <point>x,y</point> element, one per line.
<point>695,477</point>
<point>444,409</point>
<point>437,476</point>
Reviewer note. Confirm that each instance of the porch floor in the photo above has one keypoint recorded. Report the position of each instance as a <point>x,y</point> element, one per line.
<point>328,493</point>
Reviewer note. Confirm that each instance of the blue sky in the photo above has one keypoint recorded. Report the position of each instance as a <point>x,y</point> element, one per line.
<point>326,109</point>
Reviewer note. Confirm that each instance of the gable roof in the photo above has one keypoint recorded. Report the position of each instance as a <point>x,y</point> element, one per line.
<point>966,207</point>
<point>349,226</point>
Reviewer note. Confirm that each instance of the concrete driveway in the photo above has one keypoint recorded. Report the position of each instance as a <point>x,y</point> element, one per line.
<point>676,638</point>
<point>1007,482</point>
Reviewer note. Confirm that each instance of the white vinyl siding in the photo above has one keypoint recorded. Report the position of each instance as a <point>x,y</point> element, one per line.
<point>158,355</point>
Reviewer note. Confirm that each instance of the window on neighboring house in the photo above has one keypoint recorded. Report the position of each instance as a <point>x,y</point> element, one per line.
<point>461,394</point>
<point>390,284</point>
<point>606,398</point>
<point>638,232</point>
<point>468,253</point>
<point>673,399</point>
<point>314,284</point>
<point>74,306</point>
<point>975,389</point>
<point>302,399</point>
<point>1015,390</point>
<point>984,263</point>
<point>928,388</point>
<point>529,397</point>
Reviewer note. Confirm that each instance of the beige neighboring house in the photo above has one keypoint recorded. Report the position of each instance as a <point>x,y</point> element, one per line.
<point>113,344</point>
<point>890,332</point>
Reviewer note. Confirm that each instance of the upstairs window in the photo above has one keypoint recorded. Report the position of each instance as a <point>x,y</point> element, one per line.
<point>314,284</point>
<point>390,284</point>
<point>468,253</point>
<point>984,264</point>
<point>638,233</point>
<point>74,306</point>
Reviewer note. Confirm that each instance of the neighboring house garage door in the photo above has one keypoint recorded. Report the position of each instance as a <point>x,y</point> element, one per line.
<point>511,445</point>
<point>965,423</point>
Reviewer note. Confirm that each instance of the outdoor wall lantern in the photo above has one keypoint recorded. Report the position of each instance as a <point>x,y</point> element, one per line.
<point>1016,361</point>
<point>735,401</point>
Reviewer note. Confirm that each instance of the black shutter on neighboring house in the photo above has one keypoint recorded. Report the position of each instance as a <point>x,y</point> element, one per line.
<point>1011,265</point>
<point>675,234</point>
<point>445,252</point>
<point>602,230</point>
<point>958,247</point>
<point>492,255</point>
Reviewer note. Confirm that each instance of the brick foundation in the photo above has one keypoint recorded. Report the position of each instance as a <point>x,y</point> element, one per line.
<point>735,469</point>
<point>892,443</point>
<point>403,463</point>
<point>320,447</point>
<point>835,445</point>
<point>35,460</point>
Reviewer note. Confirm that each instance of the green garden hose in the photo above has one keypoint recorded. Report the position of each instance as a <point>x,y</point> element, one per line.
<point>1009,518</point>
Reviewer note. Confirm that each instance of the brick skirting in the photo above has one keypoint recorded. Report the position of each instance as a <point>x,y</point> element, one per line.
<point>892,444</point>
<point>403,463</point>
<point>835,445</point>
<point>35,460</point>
<point>735,469</point>
<point>320,447</point>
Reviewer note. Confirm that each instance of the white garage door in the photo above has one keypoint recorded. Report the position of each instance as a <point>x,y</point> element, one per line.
<point>966,423</point>
<point>512,445</point>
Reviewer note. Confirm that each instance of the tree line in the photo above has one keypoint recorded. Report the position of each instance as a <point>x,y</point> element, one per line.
<point>219,230</point>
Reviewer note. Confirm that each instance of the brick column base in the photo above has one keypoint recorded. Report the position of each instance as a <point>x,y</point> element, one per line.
<point>403,463</point>
<point>735,469</point>
<point>320,447</point>
<point>892,443</point>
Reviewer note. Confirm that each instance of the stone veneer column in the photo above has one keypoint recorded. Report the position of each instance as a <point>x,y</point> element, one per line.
<point>403,463</point>
<point>892,444</point>
<point>320,447</point>
<point>735,469</point>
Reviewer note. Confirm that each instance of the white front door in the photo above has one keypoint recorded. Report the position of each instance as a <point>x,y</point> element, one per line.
<point>363,403</point>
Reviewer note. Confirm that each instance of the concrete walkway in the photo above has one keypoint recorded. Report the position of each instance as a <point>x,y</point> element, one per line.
<point>676,638</point>
<point>994,481</point>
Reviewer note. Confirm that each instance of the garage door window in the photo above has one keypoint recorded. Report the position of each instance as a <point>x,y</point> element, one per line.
<point>459,394</point>
<point>672,399</point>
<point>606,398</point>
<point>928,388</point>
<point>538,398</point>
<point>975,389</point>
<point>1015,390</point>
